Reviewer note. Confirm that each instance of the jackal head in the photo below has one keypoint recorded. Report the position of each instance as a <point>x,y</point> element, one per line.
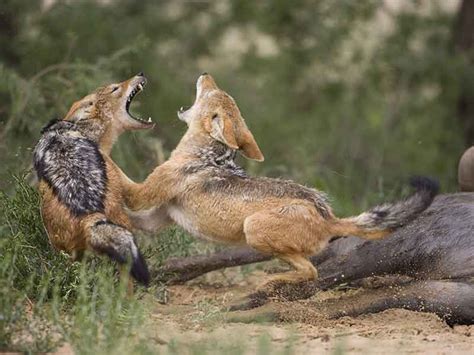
<point>215,114</point>
<point>107,110</point>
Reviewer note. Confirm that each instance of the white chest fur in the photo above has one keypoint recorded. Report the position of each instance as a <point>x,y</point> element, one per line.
<point>183,219</point>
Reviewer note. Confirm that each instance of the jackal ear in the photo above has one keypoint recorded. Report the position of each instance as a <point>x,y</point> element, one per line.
<point>222,130</point>
<point>75,117</point>
<point>249,146</point>
<point>239,138</point>
<point>73,114</point>
<point>76,113</point>
<point>80,110</point>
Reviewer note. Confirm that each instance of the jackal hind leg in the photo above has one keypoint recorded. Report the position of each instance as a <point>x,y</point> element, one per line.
<point>291,234</point>
<point>304,271</point>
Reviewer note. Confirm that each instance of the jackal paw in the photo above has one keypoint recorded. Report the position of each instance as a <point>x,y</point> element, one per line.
<point>250,301</point>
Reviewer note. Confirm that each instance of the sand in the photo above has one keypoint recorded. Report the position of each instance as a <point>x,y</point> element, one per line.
<point>194,320</point>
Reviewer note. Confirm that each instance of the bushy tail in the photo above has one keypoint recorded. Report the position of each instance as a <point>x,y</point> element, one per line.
<point>383,219</point>
<point>119,244</point>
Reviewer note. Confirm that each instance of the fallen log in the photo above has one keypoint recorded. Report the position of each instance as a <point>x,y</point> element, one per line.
<point>179,270</point>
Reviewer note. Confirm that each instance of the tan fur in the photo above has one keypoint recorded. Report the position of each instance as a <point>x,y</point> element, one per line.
<point>271,215</point>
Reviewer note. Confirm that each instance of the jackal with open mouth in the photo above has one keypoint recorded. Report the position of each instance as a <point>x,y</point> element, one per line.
<point>79,184</point>
<point>202,189</point>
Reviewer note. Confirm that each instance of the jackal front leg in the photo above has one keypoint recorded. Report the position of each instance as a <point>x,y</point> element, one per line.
<point>157,189</point>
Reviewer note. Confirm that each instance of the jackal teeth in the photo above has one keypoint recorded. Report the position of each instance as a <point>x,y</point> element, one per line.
<point>137,89</point>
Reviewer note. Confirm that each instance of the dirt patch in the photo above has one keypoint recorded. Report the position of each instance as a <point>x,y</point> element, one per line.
<point>195,319</point>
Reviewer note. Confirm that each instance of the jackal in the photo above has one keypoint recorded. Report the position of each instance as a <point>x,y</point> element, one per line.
<point>79,184</point>
<point>202,189</point>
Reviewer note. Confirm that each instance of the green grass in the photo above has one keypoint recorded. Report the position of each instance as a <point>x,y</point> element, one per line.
<point>46,299</point>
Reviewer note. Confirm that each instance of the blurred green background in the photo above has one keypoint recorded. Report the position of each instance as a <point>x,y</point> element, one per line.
<point>349,96</point>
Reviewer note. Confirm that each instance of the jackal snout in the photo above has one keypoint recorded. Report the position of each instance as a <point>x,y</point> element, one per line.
<point>215,113</point>
<point>110,105</point>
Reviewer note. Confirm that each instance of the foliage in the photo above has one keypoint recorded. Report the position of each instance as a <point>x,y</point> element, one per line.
<point>339,94</point>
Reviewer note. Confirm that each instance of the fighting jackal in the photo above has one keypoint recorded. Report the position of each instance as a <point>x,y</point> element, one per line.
<point>79,184</point>
<point>202,189</point>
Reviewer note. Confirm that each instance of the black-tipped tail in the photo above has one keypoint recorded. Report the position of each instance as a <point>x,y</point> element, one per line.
<point>139,270</point>
<point>383,219</point>
<point>424,184</point>
<point>119,244</point>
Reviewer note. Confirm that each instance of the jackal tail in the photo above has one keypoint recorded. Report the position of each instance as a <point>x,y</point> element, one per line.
<point>383,219</point>
<point>118,244</point>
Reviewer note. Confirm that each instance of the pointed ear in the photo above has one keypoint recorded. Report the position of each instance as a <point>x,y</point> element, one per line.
<point>73,115</point>
<point>248,146</point>
<point>222,130</point>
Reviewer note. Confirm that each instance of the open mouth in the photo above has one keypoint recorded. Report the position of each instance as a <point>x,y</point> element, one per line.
<point>135,91</point>
<point>182,110</point>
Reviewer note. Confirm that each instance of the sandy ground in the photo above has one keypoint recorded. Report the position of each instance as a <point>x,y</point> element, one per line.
<point>193,321</point>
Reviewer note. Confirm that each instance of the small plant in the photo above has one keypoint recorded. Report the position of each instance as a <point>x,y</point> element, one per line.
<point>208,313</point>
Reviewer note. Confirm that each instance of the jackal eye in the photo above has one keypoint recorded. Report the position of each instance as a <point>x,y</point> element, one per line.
<point>90,103</point>
<point>214,116</point>
<point>115,89</point>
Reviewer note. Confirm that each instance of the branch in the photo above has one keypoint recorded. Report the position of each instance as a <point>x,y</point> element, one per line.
<point>179,270</point>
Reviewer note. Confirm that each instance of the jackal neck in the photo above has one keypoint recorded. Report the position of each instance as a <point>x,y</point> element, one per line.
<point>202,152</point>
<point>90,129</point>
<point>108,138</point>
